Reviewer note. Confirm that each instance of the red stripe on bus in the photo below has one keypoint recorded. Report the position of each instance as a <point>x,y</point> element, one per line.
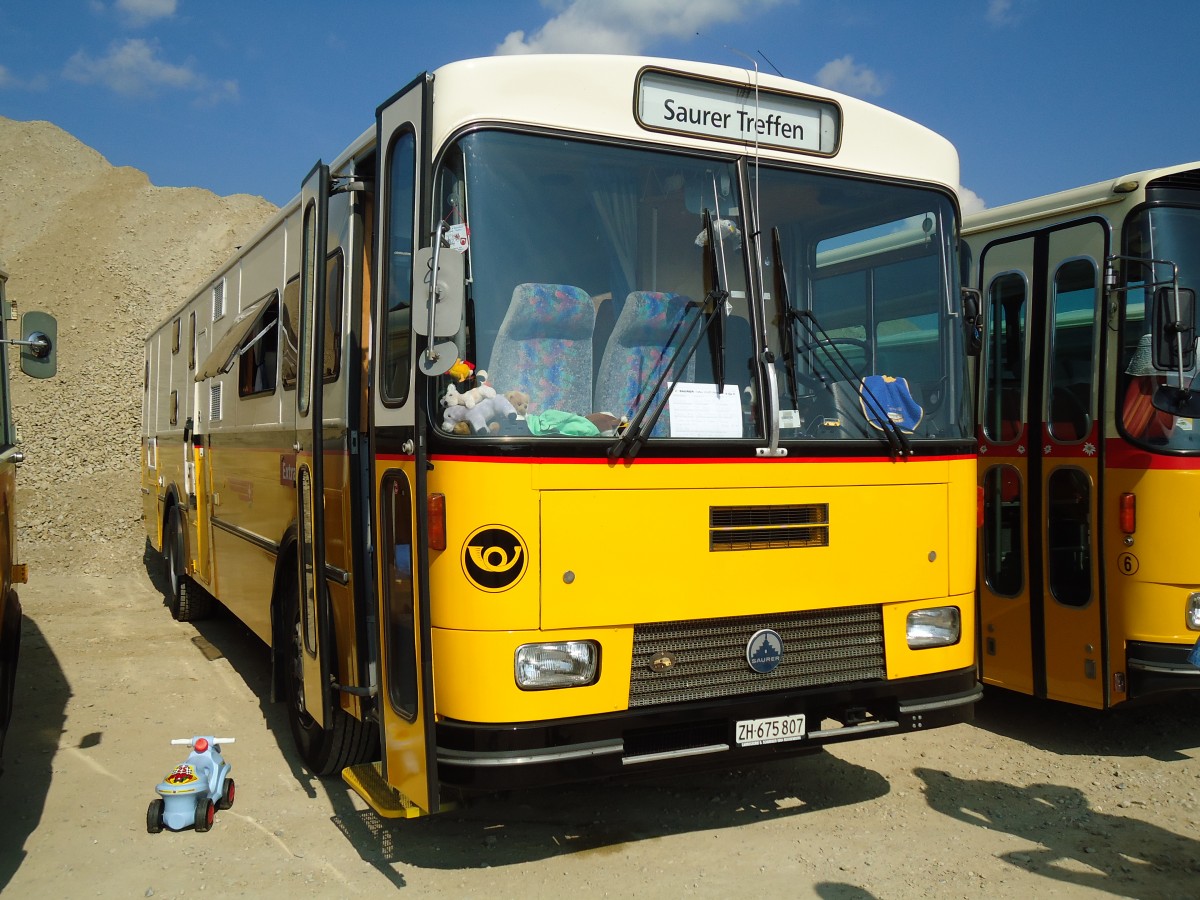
<point>675,461</point>
<point>1119,454</point>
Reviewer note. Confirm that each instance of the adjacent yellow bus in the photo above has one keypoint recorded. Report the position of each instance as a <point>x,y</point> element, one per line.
<point>38,360</point>
<point>587,415</point>
<point>1089,438</point>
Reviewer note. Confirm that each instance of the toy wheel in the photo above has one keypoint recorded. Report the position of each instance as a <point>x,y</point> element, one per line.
<point>205,811</point>
<point>226,800</point>
<point>154,817</point>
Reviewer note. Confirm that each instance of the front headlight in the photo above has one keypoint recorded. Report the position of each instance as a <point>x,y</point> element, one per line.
<point>937,627</point>
<point>558,665</point>
<point>1193,612</point>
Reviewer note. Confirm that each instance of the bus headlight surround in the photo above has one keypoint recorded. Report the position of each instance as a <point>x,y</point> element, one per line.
<point>939,626</point>
<point>1193,612</point>
<point>560,664</point>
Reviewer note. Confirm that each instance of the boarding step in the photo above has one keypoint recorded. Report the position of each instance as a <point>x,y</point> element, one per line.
<point>368,782</point>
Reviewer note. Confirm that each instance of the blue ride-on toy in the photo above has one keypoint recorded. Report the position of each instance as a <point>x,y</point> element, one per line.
<point>195,789</point>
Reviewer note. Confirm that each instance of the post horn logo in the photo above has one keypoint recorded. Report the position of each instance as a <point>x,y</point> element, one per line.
<point>494,558</point>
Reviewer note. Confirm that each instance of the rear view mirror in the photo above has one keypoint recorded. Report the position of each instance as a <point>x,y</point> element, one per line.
<point>1173,325</point>
<point>39,349</point>
<point>438,296</point>
<point>972,303</point>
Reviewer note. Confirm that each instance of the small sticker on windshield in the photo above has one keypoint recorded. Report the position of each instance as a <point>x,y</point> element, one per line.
<point>459,237</point>
<point>790,418</point>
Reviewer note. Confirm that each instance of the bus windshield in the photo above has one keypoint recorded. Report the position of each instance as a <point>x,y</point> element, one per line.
<point>592,296</point>
<point>868,276</point>
<point>1165,234</point>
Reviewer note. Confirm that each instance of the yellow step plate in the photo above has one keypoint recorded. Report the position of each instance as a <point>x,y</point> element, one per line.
<point>368,782</point>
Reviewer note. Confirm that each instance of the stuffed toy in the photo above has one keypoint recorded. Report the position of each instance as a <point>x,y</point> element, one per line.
<point>606,423</point>
<point>454,420</point>
<point>519,401</point>
<point>461,370</point>
<point>481,418</point>
<point>482,391</point>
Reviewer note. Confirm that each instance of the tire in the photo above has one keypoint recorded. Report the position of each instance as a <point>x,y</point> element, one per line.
<point>187,602</point>
<point>154,816</point>
<point>227,793</point>
<point>205,812</point>
<point>346,741</point>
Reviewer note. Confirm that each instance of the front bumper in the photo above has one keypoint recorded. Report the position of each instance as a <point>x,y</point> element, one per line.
<point>687,737</point>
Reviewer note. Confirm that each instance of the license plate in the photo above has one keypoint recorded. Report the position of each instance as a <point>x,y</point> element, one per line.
<point>776,730</point>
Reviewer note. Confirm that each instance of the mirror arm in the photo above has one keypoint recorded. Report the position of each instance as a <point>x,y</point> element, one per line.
<point>431,354</point>
<point>38,343</point>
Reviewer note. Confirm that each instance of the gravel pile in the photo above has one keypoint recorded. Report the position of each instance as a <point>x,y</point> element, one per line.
<point>109,255</point>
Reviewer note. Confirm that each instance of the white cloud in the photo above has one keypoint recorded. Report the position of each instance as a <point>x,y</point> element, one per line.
<point>142,12</point>
<point>135,68</point>
<point>847,76</point>
<point>970,201</point>
<point>10,82</point>
<point>1001,13</point>
<point>626,26</point>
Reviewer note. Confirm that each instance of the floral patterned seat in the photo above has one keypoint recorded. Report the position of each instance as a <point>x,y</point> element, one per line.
<point>647,336</point>
<point>544,348</point>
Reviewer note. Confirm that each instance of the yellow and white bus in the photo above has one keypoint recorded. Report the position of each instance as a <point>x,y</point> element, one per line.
<point>587,415</point>
<point>1089,440</point>
<point>39,359</point>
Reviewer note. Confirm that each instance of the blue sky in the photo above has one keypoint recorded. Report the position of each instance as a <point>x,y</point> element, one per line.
<point>243,96</point>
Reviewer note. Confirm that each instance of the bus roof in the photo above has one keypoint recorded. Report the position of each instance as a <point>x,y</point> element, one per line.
<point>1074,200</point>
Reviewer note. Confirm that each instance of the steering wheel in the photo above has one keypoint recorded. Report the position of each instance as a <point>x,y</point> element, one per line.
<point>830,363</point>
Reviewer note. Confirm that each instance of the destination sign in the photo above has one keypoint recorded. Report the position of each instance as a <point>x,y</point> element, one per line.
<point>730,112</point>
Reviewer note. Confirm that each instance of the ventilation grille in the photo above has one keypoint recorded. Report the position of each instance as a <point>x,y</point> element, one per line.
<point>820,647</point>
<point>768,527</point>
<point>214,402</point>
<point>1189,180</point>
<point>218,298</point>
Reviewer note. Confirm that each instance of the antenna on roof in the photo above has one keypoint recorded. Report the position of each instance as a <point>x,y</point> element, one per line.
<point>771,64</point>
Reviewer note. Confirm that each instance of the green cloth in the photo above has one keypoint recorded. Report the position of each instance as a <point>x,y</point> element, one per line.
<point>555,421</point>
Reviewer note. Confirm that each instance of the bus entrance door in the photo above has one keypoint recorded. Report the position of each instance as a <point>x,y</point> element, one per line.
<point>1005,607</point>
<point>406,696</point>
<point>1073,607</point>
<point>314,620</point>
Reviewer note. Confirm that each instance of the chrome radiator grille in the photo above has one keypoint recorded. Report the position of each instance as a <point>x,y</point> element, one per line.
<point>708,657</point>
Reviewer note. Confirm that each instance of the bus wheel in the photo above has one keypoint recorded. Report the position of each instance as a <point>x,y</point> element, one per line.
<point>185,600</point>
<point>345,741</point>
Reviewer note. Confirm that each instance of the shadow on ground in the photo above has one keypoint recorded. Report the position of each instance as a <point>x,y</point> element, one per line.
<point>1075,844</point>
<point>1158,727</point>
<point>39,714</point>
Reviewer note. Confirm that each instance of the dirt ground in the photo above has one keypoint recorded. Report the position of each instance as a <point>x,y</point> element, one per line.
<point>1033,799</point>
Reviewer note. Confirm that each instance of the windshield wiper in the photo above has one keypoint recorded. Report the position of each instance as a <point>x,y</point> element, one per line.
<point>785,312</point>
<point>897,440</point>
<point>642,422</point>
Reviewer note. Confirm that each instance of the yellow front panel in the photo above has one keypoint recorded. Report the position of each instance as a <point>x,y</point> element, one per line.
<point>644,556</point>
<point>905,663</point>
<point>476,680</point>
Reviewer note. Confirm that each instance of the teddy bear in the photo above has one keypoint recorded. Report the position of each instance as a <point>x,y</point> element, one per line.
<point>519,401</point>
